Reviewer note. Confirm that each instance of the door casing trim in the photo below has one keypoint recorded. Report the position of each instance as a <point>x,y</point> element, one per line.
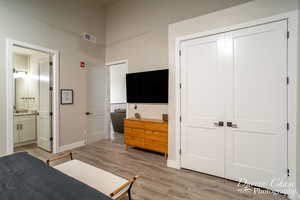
<point>10,94</point>
<point>107,69</point>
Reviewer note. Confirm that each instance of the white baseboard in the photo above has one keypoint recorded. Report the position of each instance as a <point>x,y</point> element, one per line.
<point>25,143</point>
<point>173,164</point>
<point>97,136</point>
<point>71,146</point>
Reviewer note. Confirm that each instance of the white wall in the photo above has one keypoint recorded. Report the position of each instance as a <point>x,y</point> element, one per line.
<point>298,136</point>
<point>57,25</point>
<point>118,83</point>
<point>20,64</point>
<point>137,30</point>
<point>27,86</point>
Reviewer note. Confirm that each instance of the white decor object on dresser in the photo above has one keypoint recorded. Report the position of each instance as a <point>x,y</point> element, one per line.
<point>148,110</point>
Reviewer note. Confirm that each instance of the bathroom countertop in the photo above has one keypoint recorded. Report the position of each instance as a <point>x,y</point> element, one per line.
<point>25,114</point>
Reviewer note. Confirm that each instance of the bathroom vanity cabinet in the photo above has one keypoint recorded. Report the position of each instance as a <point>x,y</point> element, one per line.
<point>24,129</point>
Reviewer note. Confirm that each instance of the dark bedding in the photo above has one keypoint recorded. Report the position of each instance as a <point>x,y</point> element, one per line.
<point>23,177</point>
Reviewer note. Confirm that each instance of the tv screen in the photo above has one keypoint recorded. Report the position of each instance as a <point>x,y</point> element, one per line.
<point>148,87</point>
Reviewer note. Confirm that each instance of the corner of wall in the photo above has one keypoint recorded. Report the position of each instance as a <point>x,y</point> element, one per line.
<point>298,115</point>
<point>173,164</point>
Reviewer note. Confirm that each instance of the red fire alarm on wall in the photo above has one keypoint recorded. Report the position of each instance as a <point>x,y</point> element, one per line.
<point>82,65</point>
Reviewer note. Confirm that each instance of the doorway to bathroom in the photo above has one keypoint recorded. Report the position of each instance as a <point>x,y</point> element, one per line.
<point>32,105</point>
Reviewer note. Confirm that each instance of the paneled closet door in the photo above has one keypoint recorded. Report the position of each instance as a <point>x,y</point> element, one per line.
<point>256,138</point>
<point>202,136</point>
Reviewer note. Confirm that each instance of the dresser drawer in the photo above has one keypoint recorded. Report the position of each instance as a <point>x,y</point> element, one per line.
<point>134,124</point>
<point>156,126</point>
<point>146,134</point>
<point>157,136</point>
<point>134,132</point>
<point>155,146</point>
<point>134,141</point>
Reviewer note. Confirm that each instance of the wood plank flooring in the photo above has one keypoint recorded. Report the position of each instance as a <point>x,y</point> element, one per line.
<point>157,181</point>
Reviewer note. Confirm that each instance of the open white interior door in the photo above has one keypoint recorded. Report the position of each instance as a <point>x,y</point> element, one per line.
<point>44,121</point>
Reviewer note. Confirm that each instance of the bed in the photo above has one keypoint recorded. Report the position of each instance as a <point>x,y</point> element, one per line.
<point>24,177</point>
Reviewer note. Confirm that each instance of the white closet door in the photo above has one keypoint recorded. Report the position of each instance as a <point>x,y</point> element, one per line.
<point>256,149</point>
<point>202,140</point>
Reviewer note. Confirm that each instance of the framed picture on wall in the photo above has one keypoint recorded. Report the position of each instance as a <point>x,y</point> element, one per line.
<point>66,96</point>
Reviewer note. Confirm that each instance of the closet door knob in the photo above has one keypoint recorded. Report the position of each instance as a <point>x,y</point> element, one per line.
<point>219,124</point>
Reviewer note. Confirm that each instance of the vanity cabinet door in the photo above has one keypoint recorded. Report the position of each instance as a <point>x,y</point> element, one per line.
<point>27,129</point>
<point>16,131</point>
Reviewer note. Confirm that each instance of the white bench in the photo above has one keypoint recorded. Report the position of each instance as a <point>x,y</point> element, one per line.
<point>109,184</point>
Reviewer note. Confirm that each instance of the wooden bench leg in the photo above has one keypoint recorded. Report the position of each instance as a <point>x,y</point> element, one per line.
<point>126,147</point>
<point>129,195</point>
<point>166,156</point>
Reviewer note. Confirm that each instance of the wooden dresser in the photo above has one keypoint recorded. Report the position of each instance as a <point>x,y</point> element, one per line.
<point>147,134</point>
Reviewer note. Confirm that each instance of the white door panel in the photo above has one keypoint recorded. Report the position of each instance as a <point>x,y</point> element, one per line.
<point>259,75</point>
<point>257,148</point>
<point>202,141</point>
<point>44,129</point>
<point>202,149</point>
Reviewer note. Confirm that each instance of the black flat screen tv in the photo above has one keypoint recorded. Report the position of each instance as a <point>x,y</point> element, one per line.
<point>148,87</point>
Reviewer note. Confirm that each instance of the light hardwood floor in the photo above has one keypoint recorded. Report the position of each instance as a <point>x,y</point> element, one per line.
<point>157,181</point>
